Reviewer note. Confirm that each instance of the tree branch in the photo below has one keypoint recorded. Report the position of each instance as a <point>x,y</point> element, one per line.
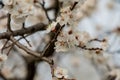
<point>29,30</point>
<point>29,51</point>
<point>49,48</point>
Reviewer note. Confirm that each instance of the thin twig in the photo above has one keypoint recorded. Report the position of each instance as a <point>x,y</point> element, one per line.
<point>4,46</point>
<point>14,42</point>
<point>8,23</point>
<point>103,40</point>
<point>91,49</point>
<point>11,47</point>
<point>29,51</point>
<point>75,3</point>
<point>27,41</point>
<point>43,6</point>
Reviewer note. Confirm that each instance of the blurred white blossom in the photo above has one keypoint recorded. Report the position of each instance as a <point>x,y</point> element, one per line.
<point>3,57</point>
<point>115,73</point>
<point>19,9</point>
<point>60,72</point>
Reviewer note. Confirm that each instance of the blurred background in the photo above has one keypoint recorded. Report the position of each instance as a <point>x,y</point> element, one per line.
<point>100,18</point>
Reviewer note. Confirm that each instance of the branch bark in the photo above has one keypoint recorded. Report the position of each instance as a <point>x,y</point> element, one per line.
<point>31,68</point>
<point>21,32</point>
<point>49,48</point>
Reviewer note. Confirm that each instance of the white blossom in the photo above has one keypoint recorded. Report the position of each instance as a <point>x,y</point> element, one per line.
<point>51,26</point>
<point>3,57</point>
<point>19,9</point>
<point>69,39</point>
<point>60,72</point>
<point>68,16</point>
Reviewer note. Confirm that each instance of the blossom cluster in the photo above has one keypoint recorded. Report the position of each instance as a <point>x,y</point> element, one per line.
<point>68,16</point>
<point>19,9</point>
<point>73,16</point>
<point>70,38</point>
<point>60,72</point>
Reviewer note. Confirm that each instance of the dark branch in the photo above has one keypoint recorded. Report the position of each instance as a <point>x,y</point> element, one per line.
<point>8,23</point>
<point>31,68</point>
<point>21,32</point>
<point>49,49</point>
<point>43,6</point>
<point>1,3</point>
<point>75,3</point>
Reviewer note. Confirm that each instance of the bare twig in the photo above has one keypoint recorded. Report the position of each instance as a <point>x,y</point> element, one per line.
<point>103,40</point>
<point>29,51</point>
<point>11,47</point>
<point>8,23</point>
<point>10,31</point>
<point>92,49</point>
<point>13,43</point>
<point>75,3</point>
<point>97,50</point>
<point>4,46</point>
<point>43,6</point>
<point>27,41</point>
<point>54,7</point>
